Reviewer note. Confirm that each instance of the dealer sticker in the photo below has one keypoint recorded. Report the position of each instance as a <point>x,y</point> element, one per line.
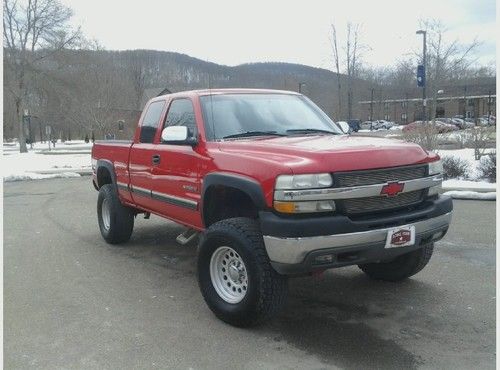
<point>402,236</point>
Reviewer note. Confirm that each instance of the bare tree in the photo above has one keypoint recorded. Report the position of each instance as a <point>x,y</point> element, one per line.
<point>336,58</point>
<point>33,30</point>
<point>137,71</point>
<point>350,58</point>
<point>444,59</point>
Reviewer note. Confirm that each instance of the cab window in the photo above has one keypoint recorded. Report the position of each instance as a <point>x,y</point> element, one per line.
<point>181,113</point>
<point>151,121</point>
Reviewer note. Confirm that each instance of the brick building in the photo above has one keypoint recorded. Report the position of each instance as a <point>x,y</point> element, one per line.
<point>405,110</point>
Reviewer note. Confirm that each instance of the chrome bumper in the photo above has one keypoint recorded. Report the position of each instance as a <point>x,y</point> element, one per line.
<point>294,250</point>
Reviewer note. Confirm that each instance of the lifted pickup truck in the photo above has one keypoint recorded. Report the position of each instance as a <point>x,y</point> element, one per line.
<point>275,189</point>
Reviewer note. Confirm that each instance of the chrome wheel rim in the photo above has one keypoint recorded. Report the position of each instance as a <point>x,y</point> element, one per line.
<point>105,214</point>
<point>228,274</point>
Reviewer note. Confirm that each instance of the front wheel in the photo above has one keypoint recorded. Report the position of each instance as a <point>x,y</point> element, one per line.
<point>235,275</point>
<point>400,268</point>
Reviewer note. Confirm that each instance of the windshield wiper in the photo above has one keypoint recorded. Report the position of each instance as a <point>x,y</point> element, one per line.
<point>310,130</point>
<point>253,133</point>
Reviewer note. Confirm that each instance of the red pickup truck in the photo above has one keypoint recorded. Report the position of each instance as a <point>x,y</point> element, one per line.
<point>274,189</point>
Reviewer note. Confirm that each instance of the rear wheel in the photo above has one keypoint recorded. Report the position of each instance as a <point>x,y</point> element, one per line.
<point>116,221</point>
<point>401,267</point>
<point>235,275</point>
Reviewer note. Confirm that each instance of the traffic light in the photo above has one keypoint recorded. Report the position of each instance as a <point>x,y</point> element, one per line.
<point>420,76</point>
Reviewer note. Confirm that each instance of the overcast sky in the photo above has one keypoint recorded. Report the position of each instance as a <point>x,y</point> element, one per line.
<point>235,32</point>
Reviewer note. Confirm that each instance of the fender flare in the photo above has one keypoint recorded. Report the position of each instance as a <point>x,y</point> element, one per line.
<point>109,166</point>
<point>246,184</point>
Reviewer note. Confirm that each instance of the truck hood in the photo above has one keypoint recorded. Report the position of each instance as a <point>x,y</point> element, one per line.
<point>328,153</point>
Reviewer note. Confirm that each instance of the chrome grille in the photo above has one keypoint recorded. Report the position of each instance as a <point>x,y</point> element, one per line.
<point>372,204</point>
<point>380,176</point>
<point>358,206</point>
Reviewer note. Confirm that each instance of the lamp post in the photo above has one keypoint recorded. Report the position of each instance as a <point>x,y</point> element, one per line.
<point>424,55</point>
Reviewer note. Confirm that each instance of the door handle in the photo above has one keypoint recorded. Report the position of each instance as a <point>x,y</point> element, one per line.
<point>156,159</point>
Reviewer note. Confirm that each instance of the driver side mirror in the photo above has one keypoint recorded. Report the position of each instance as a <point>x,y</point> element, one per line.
<point>344,126</point>
<point>178,135</point>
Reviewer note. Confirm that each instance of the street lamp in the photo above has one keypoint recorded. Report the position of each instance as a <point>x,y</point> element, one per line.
<point>424,52</point>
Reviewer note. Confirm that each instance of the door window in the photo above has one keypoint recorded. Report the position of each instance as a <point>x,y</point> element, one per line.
<point>181,113</point>
<point>151,121</point>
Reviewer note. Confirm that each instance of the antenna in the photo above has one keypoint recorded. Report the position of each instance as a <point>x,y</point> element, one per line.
<point>211,103</point>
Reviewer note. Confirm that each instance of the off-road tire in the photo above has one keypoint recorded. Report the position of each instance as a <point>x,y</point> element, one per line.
<point>267,290</point>
<point>121,218</point>
<point>401,267</point>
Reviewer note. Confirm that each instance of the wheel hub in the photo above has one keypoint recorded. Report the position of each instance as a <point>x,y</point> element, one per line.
<point>228,274</point>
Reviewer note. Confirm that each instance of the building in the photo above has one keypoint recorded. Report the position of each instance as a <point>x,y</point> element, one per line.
<point>405,110</point>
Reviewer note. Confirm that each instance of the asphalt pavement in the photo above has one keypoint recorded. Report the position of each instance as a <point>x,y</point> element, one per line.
<point>73,301</point>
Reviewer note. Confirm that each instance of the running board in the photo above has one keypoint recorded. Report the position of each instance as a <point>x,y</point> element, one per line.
<point>186,236</point>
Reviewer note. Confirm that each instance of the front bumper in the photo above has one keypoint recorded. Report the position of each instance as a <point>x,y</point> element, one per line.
<point>294,244</point>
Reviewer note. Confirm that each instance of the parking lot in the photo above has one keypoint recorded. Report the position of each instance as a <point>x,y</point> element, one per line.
<point>72,301</point>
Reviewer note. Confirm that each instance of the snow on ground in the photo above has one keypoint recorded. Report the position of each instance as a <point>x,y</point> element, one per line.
<point>465,155</point>
<point>42,164</point>
<point>462,194</point>
<point>73,146</point>
<point>469,185</point>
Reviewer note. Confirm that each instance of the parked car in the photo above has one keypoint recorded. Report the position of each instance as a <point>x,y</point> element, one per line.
<point>491,119</point>
<point>441,127</point>
<point>274,190</point>
<point>461,123</point>
<point>382,124</point>
<point>355,124</point>
<point>366,125</point>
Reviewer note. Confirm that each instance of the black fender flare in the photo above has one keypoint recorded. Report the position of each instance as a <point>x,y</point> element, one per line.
<point>109,166</point>
<point>248,185</point>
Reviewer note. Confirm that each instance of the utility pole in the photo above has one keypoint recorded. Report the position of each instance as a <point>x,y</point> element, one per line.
<point>406,107</point>
<point>489,106</point>
<point>424,63</point>
<point>371,110</point>
<point>465,102</point>
<point>40,128</point>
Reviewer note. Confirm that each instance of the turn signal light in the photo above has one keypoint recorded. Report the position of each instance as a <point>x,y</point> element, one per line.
<point>305,207</point>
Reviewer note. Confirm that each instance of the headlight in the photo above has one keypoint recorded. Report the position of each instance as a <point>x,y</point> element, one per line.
<point>311,181</point>
<point>435,168</point>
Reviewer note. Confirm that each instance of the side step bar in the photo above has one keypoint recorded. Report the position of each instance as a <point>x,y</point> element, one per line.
<point>186,236</point>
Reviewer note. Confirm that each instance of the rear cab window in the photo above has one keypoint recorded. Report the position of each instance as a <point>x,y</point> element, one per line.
<point>151,121</point>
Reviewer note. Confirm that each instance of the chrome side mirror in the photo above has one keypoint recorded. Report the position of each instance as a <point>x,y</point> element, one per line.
<point>177,135</point>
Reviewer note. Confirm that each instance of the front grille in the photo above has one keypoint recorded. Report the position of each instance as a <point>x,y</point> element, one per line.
<point>380,176</point>
<point>359,206</point>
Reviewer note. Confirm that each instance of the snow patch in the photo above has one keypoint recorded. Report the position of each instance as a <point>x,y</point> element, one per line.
<point>477,186</point>
<point>461,194</point>
<point>39,176</point>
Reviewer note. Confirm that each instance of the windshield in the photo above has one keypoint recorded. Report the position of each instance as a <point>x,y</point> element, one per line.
<point>240,115</point>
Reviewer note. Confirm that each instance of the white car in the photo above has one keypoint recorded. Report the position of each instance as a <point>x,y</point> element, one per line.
<point>382,124</point>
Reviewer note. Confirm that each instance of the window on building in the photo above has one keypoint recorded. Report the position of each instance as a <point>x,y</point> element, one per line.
<point>386,105</point>
<point>404,104</point>
<point>181,113</point>
<point>387,117</point>
<point>404,117</point>
<point>151,121</point>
